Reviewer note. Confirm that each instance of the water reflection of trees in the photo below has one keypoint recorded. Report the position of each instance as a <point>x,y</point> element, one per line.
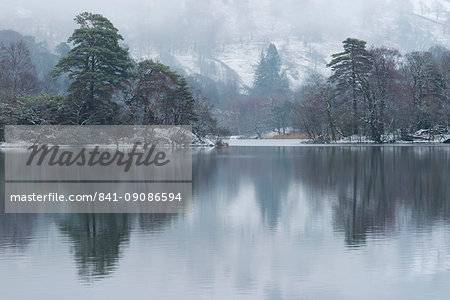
<point>220,174</point>
<point>272,187</point>
<point>97,240</point>
<point>369,186</point>
<point>370,189</point>
<point>213,170</point>
<point>15,230</point>
<point>153,223</point>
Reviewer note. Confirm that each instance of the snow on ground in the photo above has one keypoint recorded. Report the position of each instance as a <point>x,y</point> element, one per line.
<point>238,142</point>
<point>264,142</point>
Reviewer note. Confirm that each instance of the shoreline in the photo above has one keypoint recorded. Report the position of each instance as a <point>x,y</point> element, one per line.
<point>267,143</point>
<point>306,143</point>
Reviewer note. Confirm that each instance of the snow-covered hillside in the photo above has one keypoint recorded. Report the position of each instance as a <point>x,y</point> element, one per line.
<point>415,25</point>
<point>223,39</point>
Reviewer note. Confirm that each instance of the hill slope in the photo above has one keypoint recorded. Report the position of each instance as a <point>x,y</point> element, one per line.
<point>221,40</point>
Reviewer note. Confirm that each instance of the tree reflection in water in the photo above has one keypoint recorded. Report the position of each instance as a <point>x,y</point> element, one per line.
<point>369,190</point>
<point>16,230</point>
<point>372,188</point>
<point>97,241</point>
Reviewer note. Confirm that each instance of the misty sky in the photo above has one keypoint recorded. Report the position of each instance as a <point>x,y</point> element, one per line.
<point>215,19</point>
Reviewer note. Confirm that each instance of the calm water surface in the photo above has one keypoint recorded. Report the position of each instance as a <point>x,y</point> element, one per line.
<point>267,223</point>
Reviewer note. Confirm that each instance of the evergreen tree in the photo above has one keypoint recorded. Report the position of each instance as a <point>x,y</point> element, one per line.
<point>184,101</point>
<point>260,79</point>
<point>350,69</point>
<point>273,67</point>
<point>269,79</point>
<point>281,116</point>
<point>62,49</point>
<point>270,89</point>
<point>97,65</point>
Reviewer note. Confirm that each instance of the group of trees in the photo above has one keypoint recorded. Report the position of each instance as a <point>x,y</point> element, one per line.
<point>372,93</point>
<point>272,86</point>
<point>103,85</point>
<point>267,105</point>
<point>376,93</point>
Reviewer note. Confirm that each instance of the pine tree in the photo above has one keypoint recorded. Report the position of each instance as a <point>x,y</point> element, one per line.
<point>273,67</point>
<point>62,49</point>
<point>97,65</point>
<point>260,80</point>
<point>184,101</point>
<point>350,70</point>
<point>269,79</point>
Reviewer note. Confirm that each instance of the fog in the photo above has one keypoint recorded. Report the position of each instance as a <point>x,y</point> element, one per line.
<point>208,25</point>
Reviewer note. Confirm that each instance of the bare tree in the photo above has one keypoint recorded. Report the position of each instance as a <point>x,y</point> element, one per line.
<point>315,111</point>
<point>17,72</point>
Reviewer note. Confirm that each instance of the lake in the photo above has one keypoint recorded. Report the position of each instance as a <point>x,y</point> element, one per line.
<point>341,222</point>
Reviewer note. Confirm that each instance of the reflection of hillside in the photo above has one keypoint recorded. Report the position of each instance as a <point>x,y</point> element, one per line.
<point>97,241</point>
